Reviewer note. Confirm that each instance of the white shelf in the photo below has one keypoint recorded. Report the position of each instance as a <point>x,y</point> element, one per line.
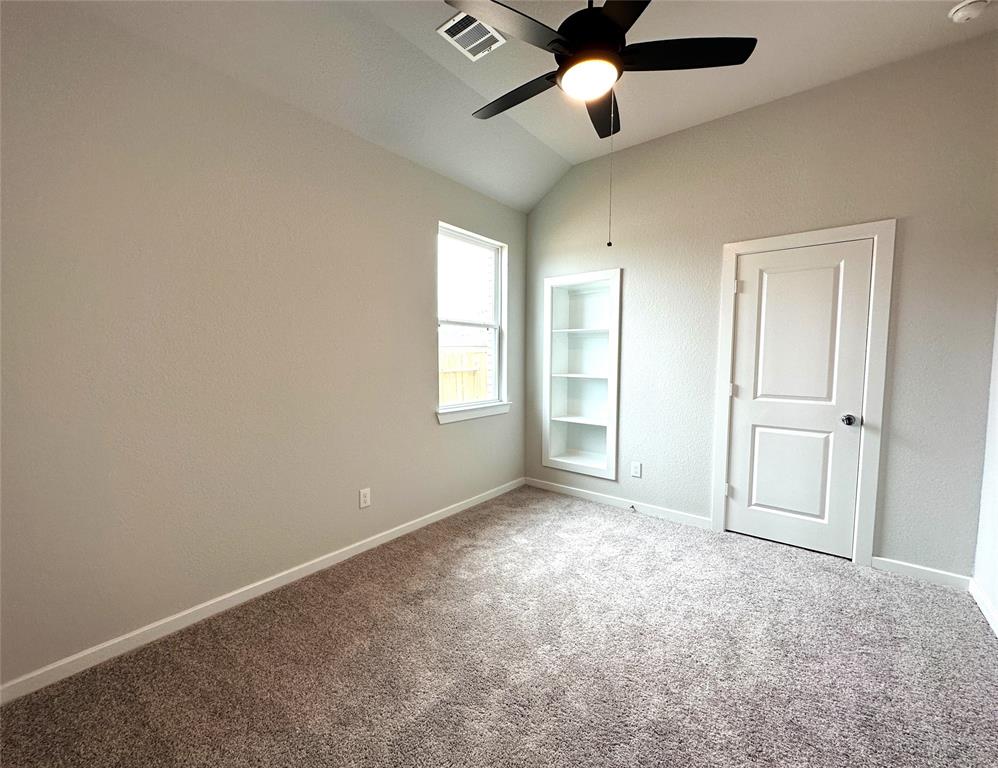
<point>580,420</point>
<point>588,459</point>
<point>581,356</point>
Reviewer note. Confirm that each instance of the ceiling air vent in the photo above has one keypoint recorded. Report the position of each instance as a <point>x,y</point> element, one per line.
<point>470,36</point>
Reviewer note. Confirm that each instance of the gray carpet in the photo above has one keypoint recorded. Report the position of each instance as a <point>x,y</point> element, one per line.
<point>541,630</point>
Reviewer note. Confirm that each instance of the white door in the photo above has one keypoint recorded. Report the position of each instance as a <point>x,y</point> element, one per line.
<point>800,337</point>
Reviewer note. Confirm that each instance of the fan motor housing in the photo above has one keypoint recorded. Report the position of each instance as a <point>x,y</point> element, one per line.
<point>589,32</point>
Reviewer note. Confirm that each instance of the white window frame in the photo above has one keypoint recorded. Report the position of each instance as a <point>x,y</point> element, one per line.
<point>500,404</point>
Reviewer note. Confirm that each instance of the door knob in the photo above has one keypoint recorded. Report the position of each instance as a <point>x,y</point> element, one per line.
<point>848,419</point>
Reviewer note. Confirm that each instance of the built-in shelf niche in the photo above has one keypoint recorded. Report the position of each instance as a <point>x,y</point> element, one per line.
<point>581,354</point>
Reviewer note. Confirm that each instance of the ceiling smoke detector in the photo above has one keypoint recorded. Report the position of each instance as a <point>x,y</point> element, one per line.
<point>968,10</point>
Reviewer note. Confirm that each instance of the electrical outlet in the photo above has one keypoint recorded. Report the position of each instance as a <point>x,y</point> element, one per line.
<point>635,469</point>
<point>365,497</point>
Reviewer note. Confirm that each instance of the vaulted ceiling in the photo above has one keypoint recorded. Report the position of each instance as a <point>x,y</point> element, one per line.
<point>379,70</point>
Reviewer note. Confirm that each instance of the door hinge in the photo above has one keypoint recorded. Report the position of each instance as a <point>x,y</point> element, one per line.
<point>731,389</point>
<point>736,284</point>
<point>726,488</point>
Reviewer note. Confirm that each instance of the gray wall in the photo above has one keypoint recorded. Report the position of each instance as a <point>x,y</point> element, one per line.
<point>914,140</point>
<point>219,322</point>
<point>986,559</point>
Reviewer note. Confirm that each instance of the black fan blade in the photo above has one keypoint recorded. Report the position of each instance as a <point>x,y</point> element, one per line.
<point>516,96</point>
<point>687,53</point>
<point>624,13</point>
<point>599,113</point>
<point>513,23</point>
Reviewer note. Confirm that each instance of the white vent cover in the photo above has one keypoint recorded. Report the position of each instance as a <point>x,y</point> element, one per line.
<point>470,36</point>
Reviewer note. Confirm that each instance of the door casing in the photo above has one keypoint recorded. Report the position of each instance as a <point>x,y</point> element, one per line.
<point>874,380</point>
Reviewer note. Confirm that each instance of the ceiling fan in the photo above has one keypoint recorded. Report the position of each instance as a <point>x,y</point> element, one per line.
<point>592,53</point>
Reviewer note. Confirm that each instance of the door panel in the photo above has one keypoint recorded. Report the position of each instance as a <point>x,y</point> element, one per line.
<point>790,471</point>
<point>798,318</point>
<point>800,337</point>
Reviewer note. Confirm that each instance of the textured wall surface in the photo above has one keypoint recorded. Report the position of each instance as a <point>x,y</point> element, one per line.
<point>915,141</point>
<point>219,322</point>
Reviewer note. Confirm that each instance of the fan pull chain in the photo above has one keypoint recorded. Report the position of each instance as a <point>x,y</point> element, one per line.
<point>609,218</point>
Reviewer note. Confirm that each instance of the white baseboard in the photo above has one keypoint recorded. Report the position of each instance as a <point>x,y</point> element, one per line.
<point>85,659</point>
<point>988,608</point>
<point>647,509</point>
<point>70,665</point>
<point>922,572</point>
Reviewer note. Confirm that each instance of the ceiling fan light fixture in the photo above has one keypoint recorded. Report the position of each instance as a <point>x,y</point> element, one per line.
<point>589,78</point>
<point>591,50</point>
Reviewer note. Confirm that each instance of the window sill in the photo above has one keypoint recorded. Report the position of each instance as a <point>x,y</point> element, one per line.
<point>465,412</point>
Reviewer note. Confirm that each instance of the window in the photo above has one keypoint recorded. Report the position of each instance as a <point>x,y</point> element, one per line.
<point>471,273</point>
